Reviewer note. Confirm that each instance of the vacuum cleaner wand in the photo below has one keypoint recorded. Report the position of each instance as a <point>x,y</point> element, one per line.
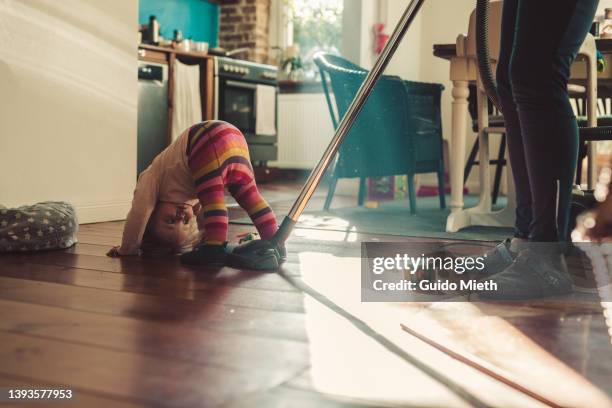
<point>485,71</point>
<point>347,121</point>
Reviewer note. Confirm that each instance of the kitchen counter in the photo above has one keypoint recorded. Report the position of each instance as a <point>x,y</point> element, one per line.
<point>187,55</point>
<point>307,86</point>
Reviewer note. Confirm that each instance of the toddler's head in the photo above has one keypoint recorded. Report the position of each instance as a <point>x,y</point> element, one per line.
<point>172,226</point>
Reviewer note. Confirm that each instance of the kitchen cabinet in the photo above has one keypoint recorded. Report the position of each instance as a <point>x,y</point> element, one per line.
<point>168,56</point>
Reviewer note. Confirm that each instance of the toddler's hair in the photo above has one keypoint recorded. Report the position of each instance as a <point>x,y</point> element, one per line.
<point>152,244</point>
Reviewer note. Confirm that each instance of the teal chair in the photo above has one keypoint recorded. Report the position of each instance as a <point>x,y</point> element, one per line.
<point>398,131</point>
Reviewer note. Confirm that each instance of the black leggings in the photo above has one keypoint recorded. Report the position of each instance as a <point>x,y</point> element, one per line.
<point>539,42</point>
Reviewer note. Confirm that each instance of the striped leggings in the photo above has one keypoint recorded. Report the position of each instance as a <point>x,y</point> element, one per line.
<point>218,157</point>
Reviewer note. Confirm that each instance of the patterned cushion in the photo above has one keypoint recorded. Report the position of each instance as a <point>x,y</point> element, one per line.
<point>46,225</point>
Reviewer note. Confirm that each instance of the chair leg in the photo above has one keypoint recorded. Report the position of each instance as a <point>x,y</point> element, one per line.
<point>411,194</point>
<point>470,162</point>
<point>362,191</point>
<point>441,186</point>
<point>330,192</point>
<point>499,167</point>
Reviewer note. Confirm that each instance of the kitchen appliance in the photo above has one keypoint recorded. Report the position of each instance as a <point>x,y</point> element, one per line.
<point>152,112</point>
<point>153,31</point>
<point>246,96</point>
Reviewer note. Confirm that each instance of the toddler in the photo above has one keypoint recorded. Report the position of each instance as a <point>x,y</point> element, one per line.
<point>179,199</point>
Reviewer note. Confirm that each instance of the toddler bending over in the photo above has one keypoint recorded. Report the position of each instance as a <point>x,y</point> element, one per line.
<point>179,199</point>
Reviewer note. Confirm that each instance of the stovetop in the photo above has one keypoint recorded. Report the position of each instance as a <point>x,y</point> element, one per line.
<point>247,71</point>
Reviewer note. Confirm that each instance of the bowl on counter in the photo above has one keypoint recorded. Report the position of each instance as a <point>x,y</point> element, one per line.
<point>199,46</point>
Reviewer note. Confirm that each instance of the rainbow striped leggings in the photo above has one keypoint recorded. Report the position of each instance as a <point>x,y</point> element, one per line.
<point>218,157</point>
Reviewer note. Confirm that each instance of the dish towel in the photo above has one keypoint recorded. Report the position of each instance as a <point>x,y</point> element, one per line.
<point>265,110</point>
<point>187,102</point>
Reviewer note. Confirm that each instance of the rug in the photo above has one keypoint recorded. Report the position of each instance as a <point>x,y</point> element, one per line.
<point>393,218</point>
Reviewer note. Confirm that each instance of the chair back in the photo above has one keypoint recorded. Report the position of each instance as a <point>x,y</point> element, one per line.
<point>495,20</point>
<point>383,139</point>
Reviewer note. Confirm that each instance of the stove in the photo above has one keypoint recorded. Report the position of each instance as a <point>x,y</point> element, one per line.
<point>246,96</point>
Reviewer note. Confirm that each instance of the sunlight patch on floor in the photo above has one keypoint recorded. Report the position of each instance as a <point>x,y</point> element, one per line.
<point>489,340</point>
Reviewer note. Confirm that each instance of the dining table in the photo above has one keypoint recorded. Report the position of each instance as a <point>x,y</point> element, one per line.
<point>463,71</point>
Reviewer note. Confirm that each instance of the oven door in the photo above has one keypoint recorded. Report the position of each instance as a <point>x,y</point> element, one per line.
<point>237,105</point>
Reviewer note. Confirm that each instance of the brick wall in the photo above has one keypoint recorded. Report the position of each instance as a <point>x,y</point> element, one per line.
<point>244,23</point>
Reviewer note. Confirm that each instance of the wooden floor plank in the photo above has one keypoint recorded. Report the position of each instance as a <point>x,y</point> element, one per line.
<point>172,341</point>
<point>108,240</point>
<point>211,315</point>
<point>166,268</point>
<point>278,397</point>
<point>562,375</point>
<point>80,398</point>
<point>164,287</point>
<point>144,379</point>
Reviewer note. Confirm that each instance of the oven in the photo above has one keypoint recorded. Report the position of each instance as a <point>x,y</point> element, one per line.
<point>246,96</point>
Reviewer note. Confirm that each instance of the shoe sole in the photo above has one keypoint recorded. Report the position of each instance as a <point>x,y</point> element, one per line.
<point>266,262</point>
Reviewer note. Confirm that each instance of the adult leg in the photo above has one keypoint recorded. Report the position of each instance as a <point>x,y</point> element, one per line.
<point>516,150</point>
<point>571,42</point>
<point>503,255</point>
<point>544,49</point>
<point>539,72</point>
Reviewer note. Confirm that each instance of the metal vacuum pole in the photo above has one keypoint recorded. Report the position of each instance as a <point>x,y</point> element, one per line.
<point>347,121</point>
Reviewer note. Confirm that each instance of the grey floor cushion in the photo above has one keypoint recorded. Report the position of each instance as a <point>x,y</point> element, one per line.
<point>42,226</point>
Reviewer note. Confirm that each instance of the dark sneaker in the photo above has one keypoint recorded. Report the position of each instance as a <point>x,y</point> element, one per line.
<point>213,255</point>
<point>496,259</point>
<point>535,273</point>
<point>257,255</point>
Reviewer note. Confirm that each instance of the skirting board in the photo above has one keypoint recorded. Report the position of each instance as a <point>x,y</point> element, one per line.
<point>101,212</point>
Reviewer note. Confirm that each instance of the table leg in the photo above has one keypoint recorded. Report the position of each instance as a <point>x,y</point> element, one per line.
<point>459,124</point>
<point>482,213</point>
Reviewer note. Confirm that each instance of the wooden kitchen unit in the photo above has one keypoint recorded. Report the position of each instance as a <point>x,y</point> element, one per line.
<point>166,55</point>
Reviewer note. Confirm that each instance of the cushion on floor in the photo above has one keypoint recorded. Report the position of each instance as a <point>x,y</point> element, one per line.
<point>42,226</point>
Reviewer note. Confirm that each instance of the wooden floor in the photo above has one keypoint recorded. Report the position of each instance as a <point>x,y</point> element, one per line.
<point>135,332</point>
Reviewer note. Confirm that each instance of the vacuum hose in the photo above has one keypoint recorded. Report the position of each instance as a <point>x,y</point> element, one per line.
<point>482,52</point>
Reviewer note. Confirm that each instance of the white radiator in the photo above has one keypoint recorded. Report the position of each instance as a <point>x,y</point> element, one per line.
<point>304,130</point>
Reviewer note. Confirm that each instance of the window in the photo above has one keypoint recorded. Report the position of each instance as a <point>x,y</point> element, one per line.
<point>306,27</point>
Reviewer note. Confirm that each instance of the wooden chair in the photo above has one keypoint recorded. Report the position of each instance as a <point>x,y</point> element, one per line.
<point>496,121</point>
<point>604,119</point>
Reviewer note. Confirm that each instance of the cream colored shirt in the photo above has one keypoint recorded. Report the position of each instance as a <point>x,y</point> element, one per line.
<point>168,178</point>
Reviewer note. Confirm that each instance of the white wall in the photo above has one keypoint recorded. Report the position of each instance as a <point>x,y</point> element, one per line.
<point>406,61</point>
<point>358,18</point>
<point>68,81</point>
<point>603,4</point>
<point>443,21</point>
